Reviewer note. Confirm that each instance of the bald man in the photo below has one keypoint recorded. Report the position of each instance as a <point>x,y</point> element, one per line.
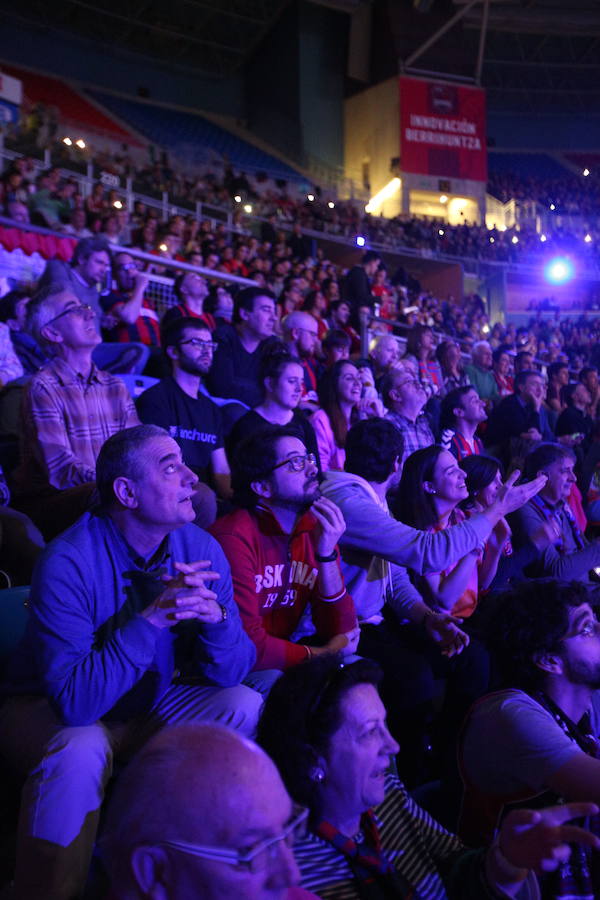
<point>384,354</point>
<point>301,336</point>
<point>196,791</point>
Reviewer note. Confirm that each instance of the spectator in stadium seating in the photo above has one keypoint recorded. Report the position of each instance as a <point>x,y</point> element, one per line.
<point>282,548</point>
<point>87,274</point>
<point>77,225</point>
<point>501,370</point>
<point>339,393</point>
<point>10,364</point>
<point>69,409</point>
<point>521,415</point>
<point>404,397</point>
<point>301,337</point>
<point>463,411</point>
<point>420,351</point>
<point>18,212</point>
<point>178,405</point>
<point>101,669</point>
<point>398,629</point>
<point>537,736</point>
<point>384,354</point>
<point>299,243</point>
<point>194,793</point>
<point>236,369</point>
<point>192,290</point>
<point>135,317</point>
<point>589,377</point>
<point>316,304</point>
<point>335,345</point>
<point>558,377</point>
<point>431,490</point>
<point>325,727</point>
<point>449,357</point>
<point>356,287</point>
<point>480,372</point>
<point>570,555</point>
<point>339,318</point>
<point>13,311</point>
<point>524,362</point>
<point>574,421</point>
<point>283,377</point>
<point>219,304</point>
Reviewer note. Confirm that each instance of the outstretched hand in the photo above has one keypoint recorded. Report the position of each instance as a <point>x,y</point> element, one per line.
<point>511,496</point>
<point>539,839</point>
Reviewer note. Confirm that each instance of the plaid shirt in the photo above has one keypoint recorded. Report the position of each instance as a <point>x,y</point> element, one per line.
<point>65,420</point>
<point>415,435</point>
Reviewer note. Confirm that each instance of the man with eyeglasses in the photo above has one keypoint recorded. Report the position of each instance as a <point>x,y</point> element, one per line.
<point>282,548</point>
<point>227,830</point>
<point>539,735</point>
<point>70,407</point>
<point>179,405</point>
<point>136,319</point>
<point>404,397</point>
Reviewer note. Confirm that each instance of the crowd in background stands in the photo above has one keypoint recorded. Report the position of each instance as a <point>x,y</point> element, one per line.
<point>222,186</point>
<point>355,505</point>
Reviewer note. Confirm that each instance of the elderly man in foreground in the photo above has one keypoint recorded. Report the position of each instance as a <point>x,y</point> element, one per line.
<point>133,626</point>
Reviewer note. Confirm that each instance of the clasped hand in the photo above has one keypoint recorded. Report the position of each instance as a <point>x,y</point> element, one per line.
<point>186,596</point>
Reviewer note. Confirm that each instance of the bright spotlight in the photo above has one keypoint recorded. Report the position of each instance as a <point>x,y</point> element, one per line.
<point>552,207</point>
<point>310,197</point>
<point>588,239</point>
<point>80,143</point>
<point>117,204</point>
<point>515,239</point>
<point>237,198</point>
<point>586,172</point>
<point>543,238</point>
<point>247,208</point>
<point>441,232</point>
<point>360,241</point>
<point>491,240</point>
<point>443,199</point>
<point>559,271</point>
<point>67,141</point>
<point>331,204</point>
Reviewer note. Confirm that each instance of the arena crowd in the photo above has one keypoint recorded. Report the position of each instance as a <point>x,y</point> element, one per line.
<point>301,623</point>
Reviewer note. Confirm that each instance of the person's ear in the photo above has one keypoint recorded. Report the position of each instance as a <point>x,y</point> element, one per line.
<point>52,334</point>
<point>124,490</point>
<point>262,488</point>
<point>458,412</point>
<point>551,663</point>
<point>172,352</point>
<point>429,488</point>
<point>243,313</point>
<point>150,867</point>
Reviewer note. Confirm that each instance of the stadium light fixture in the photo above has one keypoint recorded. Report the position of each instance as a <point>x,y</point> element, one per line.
<point>360,241</point>
<point>543,238</point>
<point>443,199</point>
<point>441,232</point>
<point>247,208</point>
<point>559,270</point>
<point>331,204</point>
<point>67,141</point>
<point>387,191</point>
<point>163,247</point>
<point>515,239</point>
<point>588,239</point>
<point>117,204</point>
<point>586,172</point>
<point>80,143</point>
<point>552,207</point>
<point>492,240</point>
<point>310,197</point>
<point>237,198</point>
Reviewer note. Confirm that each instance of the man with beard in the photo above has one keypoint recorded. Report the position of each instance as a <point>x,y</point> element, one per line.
<point>282,548</point>
<point>178,405</point>
<point>538,736</point>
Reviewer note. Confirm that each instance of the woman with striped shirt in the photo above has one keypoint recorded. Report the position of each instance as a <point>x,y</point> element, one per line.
<point>324,726</point>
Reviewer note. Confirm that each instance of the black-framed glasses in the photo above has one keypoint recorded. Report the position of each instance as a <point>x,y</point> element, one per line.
<point>81,309</point>
<point>297,463</point>
<point>199,344</point>
<point>258,858</point>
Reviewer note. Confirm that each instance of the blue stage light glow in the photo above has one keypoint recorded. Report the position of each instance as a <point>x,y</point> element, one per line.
<point>360,241</point>
<point>559,270</point>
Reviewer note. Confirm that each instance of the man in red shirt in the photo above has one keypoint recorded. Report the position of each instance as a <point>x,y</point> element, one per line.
<point>282,548</point>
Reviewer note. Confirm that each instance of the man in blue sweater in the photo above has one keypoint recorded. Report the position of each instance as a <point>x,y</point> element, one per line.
<point>133,626</point>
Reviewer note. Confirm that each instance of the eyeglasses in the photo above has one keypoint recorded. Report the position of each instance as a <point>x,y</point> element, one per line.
<point>82,309</point>
<point>127,267</point>
<point>198,344</point>
<point>255,860</point>
<point>297,463</point>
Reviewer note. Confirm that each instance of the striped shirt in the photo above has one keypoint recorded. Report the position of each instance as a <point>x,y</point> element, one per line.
<point>416,844</point>
<point>65,419</point>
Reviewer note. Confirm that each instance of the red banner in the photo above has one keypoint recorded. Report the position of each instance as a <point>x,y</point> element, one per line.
<point>442,129</point>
